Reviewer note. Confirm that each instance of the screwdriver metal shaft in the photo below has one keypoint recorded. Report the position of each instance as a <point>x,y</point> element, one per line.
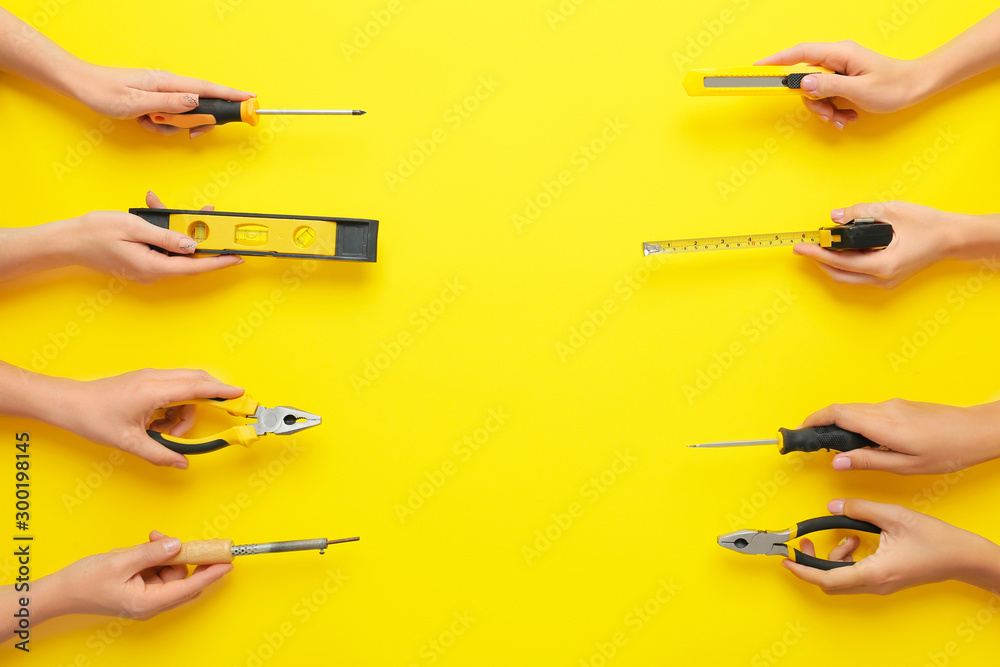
<point>311,112</point>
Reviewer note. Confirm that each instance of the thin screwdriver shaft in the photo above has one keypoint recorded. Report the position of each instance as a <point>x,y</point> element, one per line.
<point>736,443</point>
<point>311,112</point>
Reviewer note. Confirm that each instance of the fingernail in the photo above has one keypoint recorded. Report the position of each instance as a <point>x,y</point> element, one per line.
<point>837,214</point>
<point>836,506</point>
<point>241,260</point>
<point>825,119</point>
<point>842,463</point>
<point>842,542</point>
<point>181,465</point>
<point>809,83</point>
<point>171,544</point>
<point>837,124</point>
<point>188,244</point>
<point>785,564</point>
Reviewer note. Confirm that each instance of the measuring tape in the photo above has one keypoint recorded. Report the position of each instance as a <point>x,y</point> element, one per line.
<point>858,234</point>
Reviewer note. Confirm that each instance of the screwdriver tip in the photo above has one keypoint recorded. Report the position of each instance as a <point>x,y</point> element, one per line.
<point>359,112</point>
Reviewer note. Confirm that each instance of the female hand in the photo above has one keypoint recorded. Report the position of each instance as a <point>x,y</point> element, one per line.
<point>914,549</point>
<point>921,438</point>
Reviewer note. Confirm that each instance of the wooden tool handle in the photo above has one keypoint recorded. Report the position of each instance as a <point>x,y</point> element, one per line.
<point>199,552</point>
<point>203,552</point>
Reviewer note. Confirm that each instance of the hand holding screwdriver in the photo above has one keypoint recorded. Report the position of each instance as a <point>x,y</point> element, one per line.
<point>920,438</point>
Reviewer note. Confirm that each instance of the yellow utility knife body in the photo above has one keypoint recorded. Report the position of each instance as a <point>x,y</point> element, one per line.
<point>751,80</point>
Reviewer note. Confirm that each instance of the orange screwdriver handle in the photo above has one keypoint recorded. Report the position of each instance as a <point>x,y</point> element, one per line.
<point>211,111</point>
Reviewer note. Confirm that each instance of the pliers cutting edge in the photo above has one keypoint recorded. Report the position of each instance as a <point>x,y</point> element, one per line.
<point>281,420</point>
<point>776,543</point>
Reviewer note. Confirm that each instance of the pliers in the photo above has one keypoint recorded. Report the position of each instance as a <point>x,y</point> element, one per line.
<point>281,421</point>
<point>775,543</point>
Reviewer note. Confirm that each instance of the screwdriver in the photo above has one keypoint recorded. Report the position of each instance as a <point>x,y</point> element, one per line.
<point>812,439</point>
<point>206,552</point>
<point>211,111</point>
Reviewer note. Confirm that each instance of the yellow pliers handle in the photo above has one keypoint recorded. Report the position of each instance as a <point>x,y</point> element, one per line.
<point>245,435</point>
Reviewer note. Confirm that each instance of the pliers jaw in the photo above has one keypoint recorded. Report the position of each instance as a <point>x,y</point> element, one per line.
<point>757,542</point>
<point>283,420</point>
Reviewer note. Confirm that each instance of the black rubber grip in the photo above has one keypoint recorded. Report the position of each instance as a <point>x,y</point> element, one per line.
<point>856,235</point>
<point>832,522</point>
<point>795,80</point>
<point>223,110</point>
<point>830,438</point>
<point>200,448</point>
<point>819,563</point>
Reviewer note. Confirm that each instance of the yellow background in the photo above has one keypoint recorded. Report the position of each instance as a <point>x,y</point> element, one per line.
<point>522,293</point>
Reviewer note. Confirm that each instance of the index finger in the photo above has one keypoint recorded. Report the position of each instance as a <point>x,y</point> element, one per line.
<point>828,580</point>
<point>826,54</point>
<point>863,418</point>
<point>180,590</point>
<point>180,391</point>
<point>174,83</point>
<point>183,265</point>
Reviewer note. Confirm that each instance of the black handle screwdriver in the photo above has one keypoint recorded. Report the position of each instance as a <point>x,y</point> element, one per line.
<point>812,439</point>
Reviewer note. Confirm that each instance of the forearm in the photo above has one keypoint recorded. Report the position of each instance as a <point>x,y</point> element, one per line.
<point>44,598</point>
<point>973,52</point>
<point>29,54</point>
<point>26,250</point>
<point>28,395</point>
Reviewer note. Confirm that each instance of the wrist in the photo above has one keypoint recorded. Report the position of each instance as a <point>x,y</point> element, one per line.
<point>923,79</point>
<point>980,564</point>
<point>973,236</point>
<point>80,80</point>
<point>51,596</point>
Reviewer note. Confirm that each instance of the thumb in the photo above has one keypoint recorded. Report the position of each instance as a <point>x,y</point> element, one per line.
<point>882,515</point>
<point>819,86</point>
<point>167,239</point>
<point>148,555</point>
